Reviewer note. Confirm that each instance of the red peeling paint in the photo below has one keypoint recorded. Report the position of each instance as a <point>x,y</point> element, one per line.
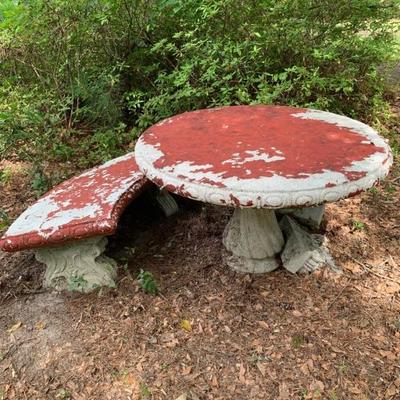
<point>225,137</point>
<point>355,193</point>
<point>330,184</point>
<point>92,187</point>
<point>235,200</point>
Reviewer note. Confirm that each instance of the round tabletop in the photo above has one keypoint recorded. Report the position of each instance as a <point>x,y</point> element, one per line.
<point>263,156</point>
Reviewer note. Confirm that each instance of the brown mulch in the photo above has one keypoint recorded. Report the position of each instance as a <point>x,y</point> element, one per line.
<point>210,333</point>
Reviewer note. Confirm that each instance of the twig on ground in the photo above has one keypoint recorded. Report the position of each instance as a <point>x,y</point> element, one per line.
<point>393,262</point>
<point>79,321</point>
<point>369,269</point>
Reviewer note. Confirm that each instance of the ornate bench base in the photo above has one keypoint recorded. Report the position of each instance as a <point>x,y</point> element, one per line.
<point>78,266</point>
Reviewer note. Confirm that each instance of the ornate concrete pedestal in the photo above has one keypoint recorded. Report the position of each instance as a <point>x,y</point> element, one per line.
<point>253,239</point>
<point>78,266</point>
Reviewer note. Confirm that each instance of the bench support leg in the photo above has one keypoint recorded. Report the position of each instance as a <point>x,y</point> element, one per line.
<point>253,239</point>
<point>309,216</point>
<point>167,203</point>
<point>303,252</point>
<point>78,266</point>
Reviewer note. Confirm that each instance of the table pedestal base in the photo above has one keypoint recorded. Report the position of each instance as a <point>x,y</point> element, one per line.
<point>253,238</point>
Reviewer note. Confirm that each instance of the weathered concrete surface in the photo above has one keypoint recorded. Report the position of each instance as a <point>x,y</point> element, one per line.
<point>303,252</point>
<point>78,266</point>
<point>84,206</point>
<point>253,238</point>
<point>309,216</point>
<point>263,156</point>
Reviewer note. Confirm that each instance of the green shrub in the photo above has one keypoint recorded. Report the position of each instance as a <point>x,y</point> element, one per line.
<point>77,76</point>
<point>313,53</point>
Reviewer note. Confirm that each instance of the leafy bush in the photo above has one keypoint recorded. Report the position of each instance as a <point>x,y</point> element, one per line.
<point>77,76</point>
<point>320,54</point>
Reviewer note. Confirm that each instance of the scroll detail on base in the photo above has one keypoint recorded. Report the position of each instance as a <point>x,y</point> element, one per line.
<point>78,266</point>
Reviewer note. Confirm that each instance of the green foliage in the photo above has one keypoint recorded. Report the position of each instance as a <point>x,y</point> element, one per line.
<point>5,221</point>
<point>77,283</point>
<point>319,54</point>
<point>40,182</point>
<point>145,392</point>
<point>6,174</point>
<point>358,225</point>
<point>147,282</point>
<point>64,394</point>
<point>80,79</point>
<point>298,341</point>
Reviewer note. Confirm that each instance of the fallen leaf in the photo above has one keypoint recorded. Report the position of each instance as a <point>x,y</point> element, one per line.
<point>390,392</point>
<point>326,366</point>
<point>186,325</point>
<point>227,329</point>
<point>15,327</point>
<point>388,287</point>
<point>182,397</point>
<point>214,381</point>
<point>40,325</point>
<point>187,370</point>
<point>283,392</point>
<point>297,313</point>
<point>242,371</point>
<point>354,268</point>
<point>388,354</point>
<point>304,369</point>
<point>379,338</point>
<point>355,390</point>
<point>261,367</point>
<point>392,287</point>
<point>263,324</point>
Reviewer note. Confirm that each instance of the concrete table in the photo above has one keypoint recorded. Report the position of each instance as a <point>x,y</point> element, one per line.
<point>259,159</point>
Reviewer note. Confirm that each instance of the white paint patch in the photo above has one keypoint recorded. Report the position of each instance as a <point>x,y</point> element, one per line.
<point>254,155</point>
<point>344,122</point>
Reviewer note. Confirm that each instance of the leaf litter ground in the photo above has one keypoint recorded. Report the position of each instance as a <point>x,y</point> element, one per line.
<point>210,333</point>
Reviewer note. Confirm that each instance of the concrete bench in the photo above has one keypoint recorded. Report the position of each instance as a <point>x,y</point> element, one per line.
<point>68,226</point>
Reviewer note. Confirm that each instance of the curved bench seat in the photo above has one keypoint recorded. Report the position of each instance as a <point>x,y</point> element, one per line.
<point>84,206</point>
<point>68,225</point>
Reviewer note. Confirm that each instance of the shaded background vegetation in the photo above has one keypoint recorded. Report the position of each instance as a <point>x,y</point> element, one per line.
<point>81,79</point>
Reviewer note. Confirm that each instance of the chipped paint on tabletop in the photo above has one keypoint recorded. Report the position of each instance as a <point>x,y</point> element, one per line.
<point>263,156</point>
<point>86,205</point>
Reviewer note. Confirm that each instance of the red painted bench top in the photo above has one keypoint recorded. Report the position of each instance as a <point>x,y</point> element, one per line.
<point>86,205</point>
<point>263,156</point>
